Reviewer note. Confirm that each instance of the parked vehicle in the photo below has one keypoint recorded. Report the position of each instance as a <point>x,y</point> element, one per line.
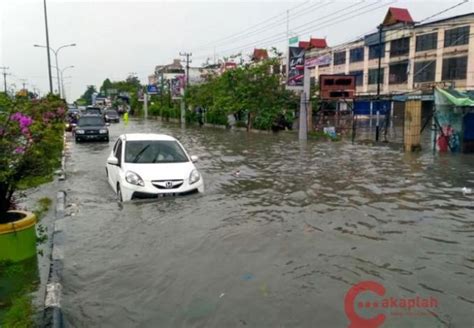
<point>111,115</point>
<point>91,127</point>
<point>145,165</point>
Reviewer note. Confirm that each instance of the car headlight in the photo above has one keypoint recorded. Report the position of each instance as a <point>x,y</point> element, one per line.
<point>80,131</point>
<point>194,176</point>
<point>134,179</point>
<point>102,131</point>
<point>67,125</point>
<point>106,116</point>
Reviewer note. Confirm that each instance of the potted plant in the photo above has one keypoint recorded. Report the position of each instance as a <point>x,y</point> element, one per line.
<point>30,147</point>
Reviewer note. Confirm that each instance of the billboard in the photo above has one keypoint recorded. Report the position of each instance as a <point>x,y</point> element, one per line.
<point>295,67</point>
<point>152,89</point>
<point>177,85</point>
<point>334,87</point>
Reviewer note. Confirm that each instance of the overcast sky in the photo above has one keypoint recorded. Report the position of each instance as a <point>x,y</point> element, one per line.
<point>115,38</point>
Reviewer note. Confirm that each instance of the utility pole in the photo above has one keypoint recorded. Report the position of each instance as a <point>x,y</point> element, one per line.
<point>187,61</point>
<point>47,48</point>
<point>379,70</point>
<point>5,77</point>
<point>183,105</point>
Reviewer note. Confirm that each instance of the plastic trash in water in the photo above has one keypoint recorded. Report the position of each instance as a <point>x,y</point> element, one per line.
<point>466,191</point>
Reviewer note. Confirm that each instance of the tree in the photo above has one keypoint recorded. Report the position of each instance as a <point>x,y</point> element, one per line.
<point>87,96</point>
<point>249,91</point>
<point>106,85</point>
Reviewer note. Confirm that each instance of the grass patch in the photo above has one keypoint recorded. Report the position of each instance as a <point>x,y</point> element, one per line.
<point>19,280</point>
<point>20,313</point>
<point>34,182</point>
<point>43,206</point>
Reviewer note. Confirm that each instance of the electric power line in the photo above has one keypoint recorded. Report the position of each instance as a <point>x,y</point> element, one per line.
<point>253,26</point>
<point>326,23</point>
<point>265,28</point>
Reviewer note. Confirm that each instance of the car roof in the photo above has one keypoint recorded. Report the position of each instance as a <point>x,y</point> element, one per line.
<point>91,115</point>
<point>146,136</point>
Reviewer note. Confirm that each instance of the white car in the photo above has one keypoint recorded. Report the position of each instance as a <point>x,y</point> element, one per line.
<point>147,165</point>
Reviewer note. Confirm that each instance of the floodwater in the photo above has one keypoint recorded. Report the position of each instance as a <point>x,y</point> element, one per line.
<point>278,246</point>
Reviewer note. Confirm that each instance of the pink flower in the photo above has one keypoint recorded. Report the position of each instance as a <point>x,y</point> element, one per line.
<point>20,150</point>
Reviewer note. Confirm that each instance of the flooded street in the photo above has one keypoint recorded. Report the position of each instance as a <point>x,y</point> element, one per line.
<point>278,246</point>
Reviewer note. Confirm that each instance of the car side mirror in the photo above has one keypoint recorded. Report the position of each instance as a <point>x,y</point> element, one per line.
<point>194,158</point>
<point>112,160</point>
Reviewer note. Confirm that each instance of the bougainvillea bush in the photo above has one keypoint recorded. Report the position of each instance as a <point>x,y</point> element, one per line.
<point>31,141</point>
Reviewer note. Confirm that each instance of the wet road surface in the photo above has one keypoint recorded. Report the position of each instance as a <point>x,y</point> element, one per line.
<point>278,246</point>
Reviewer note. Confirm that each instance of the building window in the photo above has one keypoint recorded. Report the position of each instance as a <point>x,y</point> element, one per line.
<point>399,47</point>
<point>454,68</point>
<point>456,36</point>
<point>359,77</point>
<point>356,55</point>
<point>424,71</point>
<point>398,73</point>
<point>373,72</point>
<point>374,51</point>
<point>427,41</point>
<point>339,58</point>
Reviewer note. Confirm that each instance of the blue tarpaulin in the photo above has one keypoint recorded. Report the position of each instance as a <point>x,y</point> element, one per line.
<point>362,107</point>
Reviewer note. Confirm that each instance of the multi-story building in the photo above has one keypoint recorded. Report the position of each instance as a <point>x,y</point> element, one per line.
<point>413,56</point>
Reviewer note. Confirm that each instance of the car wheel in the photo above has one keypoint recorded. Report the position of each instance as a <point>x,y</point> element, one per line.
<point>119,194</point>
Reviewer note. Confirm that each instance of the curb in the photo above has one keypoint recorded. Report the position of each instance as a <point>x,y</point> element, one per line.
<point>53,314</point>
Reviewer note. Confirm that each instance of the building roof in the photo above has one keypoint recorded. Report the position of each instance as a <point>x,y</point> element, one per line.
<point>260,54</point>
<point>444,19</point>
<point>397,15</point>
<point>313,43</point>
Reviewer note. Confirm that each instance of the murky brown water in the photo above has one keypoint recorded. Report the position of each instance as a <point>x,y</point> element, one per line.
<point>277,247</point>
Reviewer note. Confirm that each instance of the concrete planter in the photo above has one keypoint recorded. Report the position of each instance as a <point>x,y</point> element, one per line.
<point>18,238</point>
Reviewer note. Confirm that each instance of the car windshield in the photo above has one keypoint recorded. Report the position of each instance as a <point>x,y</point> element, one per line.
<point>90,121</point>
<point>111,113</point>
<point>154,151</point>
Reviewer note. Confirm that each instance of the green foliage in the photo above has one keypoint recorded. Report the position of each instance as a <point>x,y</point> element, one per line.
<point>18,280</point>
<point>252,89</point>
<point>31,142</point>
<point>43,206</point>
<point>20,313</point>
<point>86,98</point>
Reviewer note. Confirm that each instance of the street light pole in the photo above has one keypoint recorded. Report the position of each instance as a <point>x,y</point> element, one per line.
<point>56,56</point>
<point>62,80</point>
<point>47,48</point>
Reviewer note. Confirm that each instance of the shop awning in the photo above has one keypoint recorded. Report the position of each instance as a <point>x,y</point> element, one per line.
<point>454,97</point>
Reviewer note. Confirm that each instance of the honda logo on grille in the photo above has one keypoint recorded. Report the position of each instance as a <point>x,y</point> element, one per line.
<point>169,184</point>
